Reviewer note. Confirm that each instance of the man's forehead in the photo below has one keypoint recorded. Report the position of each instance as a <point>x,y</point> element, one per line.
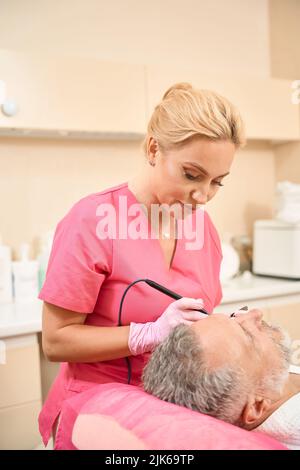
<point>216,327</point>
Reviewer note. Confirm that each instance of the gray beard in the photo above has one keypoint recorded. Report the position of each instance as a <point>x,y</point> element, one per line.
<point>282,342</point>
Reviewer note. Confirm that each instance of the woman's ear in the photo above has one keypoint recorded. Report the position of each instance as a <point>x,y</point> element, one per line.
<point>152,150</point>
<point>254,412</point>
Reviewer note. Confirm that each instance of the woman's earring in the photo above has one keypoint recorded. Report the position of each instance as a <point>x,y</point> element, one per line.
<point>151,163</point>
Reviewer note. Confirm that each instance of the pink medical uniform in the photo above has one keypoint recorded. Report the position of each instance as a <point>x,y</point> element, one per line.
<point>88,273</point>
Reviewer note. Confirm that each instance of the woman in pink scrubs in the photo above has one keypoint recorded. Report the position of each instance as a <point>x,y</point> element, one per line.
<point>189,148</point>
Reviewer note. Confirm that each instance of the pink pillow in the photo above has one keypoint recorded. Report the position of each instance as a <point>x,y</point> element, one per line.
<point>117,416</point>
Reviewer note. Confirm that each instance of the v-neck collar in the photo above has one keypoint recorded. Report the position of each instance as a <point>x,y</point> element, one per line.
<point>171,266</point>
<point>167,269</point>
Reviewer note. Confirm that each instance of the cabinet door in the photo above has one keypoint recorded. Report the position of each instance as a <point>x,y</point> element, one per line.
<point>20,393</point>
<point>265,104</point>
<point>288,318</point>
<point>73,94</point>
<point>19,426</point>
<point>20,377</point>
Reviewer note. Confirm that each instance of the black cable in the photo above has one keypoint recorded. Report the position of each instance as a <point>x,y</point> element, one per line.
<point>120,324</point>
<point>164,290</point>
<point>158,287</point>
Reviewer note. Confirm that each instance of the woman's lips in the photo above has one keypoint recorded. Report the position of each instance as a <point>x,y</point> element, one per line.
<point>188,205</point>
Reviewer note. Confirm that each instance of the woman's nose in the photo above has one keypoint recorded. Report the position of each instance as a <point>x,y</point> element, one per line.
<point>200,196</point>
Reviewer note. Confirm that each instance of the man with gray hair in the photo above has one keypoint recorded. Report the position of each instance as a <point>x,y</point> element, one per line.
<point>235,369</point>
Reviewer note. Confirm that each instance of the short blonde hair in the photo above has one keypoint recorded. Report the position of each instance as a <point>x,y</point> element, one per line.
<point>186,112</point>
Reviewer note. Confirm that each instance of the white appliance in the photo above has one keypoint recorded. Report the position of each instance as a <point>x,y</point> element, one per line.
<point>276,249</point>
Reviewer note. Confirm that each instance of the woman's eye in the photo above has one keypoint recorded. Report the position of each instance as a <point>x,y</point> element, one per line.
<point>190,177</point>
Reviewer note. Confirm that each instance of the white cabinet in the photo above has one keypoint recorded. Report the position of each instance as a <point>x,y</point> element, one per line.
<point>265,104</point>
<point>86,97</point>
<point>20,393</point>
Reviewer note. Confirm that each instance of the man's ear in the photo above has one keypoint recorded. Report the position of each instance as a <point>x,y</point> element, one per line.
<point>254,412</point>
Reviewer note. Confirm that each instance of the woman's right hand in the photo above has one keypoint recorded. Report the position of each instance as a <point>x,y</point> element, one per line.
<point>144,337</point>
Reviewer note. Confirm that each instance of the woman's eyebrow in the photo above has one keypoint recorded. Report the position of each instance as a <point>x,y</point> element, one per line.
<point>203,169</point>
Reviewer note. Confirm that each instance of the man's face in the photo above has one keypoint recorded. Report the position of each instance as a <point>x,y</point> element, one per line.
<point>244,340</point>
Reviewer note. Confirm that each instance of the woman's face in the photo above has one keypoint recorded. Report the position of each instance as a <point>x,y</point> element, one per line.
<point>191,174</point>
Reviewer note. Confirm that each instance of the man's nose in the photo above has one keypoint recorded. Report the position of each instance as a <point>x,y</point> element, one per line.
<point>254,316</point>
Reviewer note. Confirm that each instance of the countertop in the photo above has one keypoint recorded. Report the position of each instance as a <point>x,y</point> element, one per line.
<point>21,319</point>
<point>250,287</point>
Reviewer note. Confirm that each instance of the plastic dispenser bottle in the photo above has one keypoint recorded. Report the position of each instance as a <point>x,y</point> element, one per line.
<point>5,274</point>
<point>25,277</point>
<point>43,258</point>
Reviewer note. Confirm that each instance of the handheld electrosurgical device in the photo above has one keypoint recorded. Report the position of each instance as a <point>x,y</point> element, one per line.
<point>158,287</point>
<point>165,291</point>
<point>169,292</point>
<point>177,296</point>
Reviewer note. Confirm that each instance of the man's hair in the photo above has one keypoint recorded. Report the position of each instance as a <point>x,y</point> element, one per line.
<point>179,371</point>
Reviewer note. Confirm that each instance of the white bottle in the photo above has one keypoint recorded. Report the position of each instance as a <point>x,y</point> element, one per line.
<point>25,277</point>
<point>43,257</point>
<point>5,274</point>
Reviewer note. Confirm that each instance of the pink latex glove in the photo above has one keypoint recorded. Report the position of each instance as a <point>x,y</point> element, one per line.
<point>144,337</point>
